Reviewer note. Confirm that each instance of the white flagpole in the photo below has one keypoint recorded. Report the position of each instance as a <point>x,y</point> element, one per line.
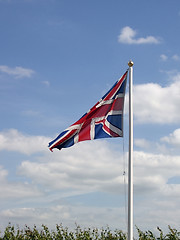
<point>130,167</point>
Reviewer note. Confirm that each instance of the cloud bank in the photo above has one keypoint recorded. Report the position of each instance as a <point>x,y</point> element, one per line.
<point>92,167</point>
<point>13,140</point>
<point>156,104</point>
<point>173,138</point>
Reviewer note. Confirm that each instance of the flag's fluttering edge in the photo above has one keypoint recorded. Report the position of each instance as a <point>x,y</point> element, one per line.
<point>104,120</point>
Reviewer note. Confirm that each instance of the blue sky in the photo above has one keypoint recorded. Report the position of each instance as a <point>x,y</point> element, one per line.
<point>58,58</point>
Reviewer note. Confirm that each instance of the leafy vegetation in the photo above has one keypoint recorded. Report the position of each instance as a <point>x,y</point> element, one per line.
<point>61,233</point>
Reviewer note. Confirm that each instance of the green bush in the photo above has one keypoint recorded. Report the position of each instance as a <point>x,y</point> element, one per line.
<point>61,233</point>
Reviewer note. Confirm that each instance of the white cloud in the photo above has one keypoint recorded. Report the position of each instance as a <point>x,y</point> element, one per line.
<point>97,167</point>
<point>46,83</point>
<point>173,138</point>
<point>163,57</point>
<point>68,215</point>
<point>143,143</point>
<point>128,35</point>
<point>15,190</point>
<point>17,72</point>
<point>156,104</point>
<point>175,57</point>
<point>94,166</point>
<point>156,209</point>
<point>13,140</point>
<point>150,166</point>
<point>84,166</point>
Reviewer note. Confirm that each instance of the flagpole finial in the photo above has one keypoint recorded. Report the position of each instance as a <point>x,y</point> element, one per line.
<point>130,63</point>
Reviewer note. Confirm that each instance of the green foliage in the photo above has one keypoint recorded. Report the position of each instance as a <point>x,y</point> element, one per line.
<point>148,235</point>
<point>61,233</point>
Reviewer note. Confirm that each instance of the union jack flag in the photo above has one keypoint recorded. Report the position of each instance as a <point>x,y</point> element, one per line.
<point>103,120</point>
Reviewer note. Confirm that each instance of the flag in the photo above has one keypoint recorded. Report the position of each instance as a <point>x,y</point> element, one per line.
<point>103,120</point>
